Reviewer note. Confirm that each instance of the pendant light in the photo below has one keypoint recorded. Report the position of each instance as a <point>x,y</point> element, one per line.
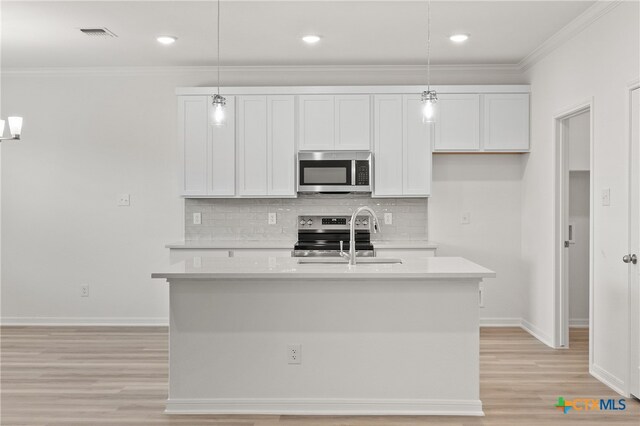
<point>218,110</point>
<point>429,97</point>
<point>15,128</point>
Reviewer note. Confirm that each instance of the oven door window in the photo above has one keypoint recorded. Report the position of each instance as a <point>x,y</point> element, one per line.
<point>325,172</point>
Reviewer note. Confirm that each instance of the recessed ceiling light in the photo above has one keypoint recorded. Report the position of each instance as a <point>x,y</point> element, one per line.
<point>459,38</point>
<point>166,39</point>
<point>311,39</point>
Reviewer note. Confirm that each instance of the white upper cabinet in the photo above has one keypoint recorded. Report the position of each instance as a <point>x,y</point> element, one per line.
<point>281,146</point>
<point>207,152</point>
<point>506,122</point>
<point>328,122</point>
<point>402,147</point>
<point>266,146</point>
<point>252,145</point>
<point>457,126</point>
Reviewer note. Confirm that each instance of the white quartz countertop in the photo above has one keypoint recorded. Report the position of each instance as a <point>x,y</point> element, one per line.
<point>251,244</point>
<point>207,268</point>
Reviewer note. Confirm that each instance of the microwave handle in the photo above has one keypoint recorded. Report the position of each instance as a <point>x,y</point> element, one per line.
<point>353,172</point>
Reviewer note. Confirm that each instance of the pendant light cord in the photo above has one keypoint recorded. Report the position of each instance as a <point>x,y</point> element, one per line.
<point>429,46</point>
<point>218,50</point>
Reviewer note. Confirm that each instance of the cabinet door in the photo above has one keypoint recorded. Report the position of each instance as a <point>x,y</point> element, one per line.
<point>281,147</point>
<point>353,122</point>
<point>506,122</point>
<point>457,126</point>
<point>316,126</point>
<point>416,178</point>
<point>192,135</point>
<point>222,152</point>
<point>252,145</point>
<point>388,145</point>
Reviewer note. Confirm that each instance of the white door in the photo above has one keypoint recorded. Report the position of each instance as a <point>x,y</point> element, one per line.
<point>457,126</point>
<point>222,152</point>
<point>635,243</point>
<point>281,154</point>
<point>388,145</point>
<point>252,145</point>
<point>353,122</point>
<point>416,179</point>
<point>506,122</point>
<point>316,122</point>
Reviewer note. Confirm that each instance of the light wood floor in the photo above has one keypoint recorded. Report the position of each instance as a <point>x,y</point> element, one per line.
<point>106,376</point>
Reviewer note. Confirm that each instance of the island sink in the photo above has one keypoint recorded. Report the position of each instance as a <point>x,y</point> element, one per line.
<point>361,260</point>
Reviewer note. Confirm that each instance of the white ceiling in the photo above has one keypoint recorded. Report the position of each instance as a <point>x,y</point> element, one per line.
<point>46,34</point>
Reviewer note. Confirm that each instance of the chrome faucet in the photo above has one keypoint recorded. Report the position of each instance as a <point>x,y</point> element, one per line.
<point>351,256</point>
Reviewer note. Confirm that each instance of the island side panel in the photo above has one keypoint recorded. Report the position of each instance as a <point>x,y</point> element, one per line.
<point>368,346</point>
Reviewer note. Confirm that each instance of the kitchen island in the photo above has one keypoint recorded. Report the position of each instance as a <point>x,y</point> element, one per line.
<point>271,336</point>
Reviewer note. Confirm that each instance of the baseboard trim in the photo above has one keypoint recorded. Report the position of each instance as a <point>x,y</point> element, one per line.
<point>537,333</point>
<point>84,321</point>
<point>608,379</point>
<point>579,323</point>
<point>500,322</point>
<point>346,407</point>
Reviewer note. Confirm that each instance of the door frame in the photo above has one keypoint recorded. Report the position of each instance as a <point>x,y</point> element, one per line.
<point>633,313</point>
<point>561,213</point>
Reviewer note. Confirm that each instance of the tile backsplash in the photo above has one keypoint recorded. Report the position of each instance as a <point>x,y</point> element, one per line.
<point>247,219</point>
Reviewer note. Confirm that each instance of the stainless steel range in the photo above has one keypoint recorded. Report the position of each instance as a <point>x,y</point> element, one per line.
<point>321,236</point>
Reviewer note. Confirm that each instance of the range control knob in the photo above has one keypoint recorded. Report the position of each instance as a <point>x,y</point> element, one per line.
<point>357,222</point>
<point>365,222</point>
<point>302,222</point>
<point>309,222</point>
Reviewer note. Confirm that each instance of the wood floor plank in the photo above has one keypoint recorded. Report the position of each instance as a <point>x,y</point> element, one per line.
<point>55,376</point>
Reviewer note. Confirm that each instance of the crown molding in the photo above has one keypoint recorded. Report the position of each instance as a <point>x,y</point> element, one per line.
<point>581,22</point>
<point>262,69</point>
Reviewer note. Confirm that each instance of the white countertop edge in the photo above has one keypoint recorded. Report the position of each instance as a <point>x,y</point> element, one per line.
<point>346,276</point>
<point>248,244</point>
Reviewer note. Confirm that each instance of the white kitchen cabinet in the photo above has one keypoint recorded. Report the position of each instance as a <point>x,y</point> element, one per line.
<point>328,122</point>
<point>457,126</point>
<point>262,252</point>
<point>266,146</point>
<point>207,152</point>
<point>402,147</point>
<point>281,146</point>
<point>506,122</point>
<point>195,255</point>
<point>252,145</point>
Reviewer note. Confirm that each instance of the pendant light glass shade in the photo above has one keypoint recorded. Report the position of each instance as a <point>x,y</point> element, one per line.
<point>429,100</point>
<point>218,111</point>
<point>15,126</point>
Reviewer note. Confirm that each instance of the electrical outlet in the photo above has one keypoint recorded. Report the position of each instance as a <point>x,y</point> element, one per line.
<point>388,218</point>
<point>606,197</point>
<point>125,200</point>
<point>84,290</point>
<point>481,297</point>
<point>197,218</point>
<point>465,218</point>
<point>294,354</point>
<point>273,218</point>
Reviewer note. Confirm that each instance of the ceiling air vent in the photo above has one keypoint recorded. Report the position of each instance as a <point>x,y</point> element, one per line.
<point>97,32</point>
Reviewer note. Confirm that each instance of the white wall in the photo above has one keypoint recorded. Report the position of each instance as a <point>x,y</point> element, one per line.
<point>579,251</point>
<point>597,64</point>
<point>489,188</point>
<point>90,135</point>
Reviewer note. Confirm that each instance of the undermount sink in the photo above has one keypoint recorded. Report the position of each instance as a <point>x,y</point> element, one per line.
<point>359,261</point>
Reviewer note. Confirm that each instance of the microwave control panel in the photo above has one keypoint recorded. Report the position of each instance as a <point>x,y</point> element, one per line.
<point>362,172</point>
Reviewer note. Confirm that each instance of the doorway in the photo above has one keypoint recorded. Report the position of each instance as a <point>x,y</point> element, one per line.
<point>574,209</point>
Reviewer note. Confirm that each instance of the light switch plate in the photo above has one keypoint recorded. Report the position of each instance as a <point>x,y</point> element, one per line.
<point>388,218</point>
<point>606,197</point>
<point>125,200</point>
<point>273,218</point>
<point>197,218</point>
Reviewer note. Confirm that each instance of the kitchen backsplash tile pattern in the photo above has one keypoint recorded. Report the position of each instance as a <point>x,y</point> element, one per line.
<point>247,219</point>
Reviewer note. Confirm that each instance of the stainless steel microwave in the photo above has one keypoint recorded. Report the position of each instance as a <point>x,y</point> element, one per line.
<point>335,171</point>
